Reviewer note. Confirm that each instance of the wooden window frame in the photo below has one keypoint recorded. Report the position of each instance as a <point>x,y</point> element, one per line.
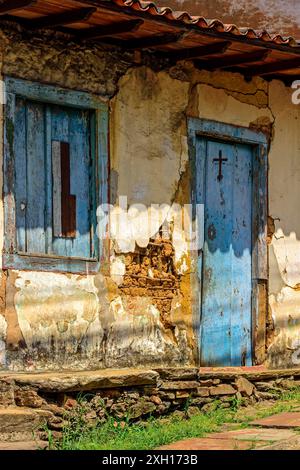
<point>199,131</point>
<point>48,94</point>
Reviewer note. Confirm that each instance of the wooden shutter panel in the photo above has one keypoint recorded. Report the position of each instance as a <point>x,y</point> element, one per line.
<point>64,203</point>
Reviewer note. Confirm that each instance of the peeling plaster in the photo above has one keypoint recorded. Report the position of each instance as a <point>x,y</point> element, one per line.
<point>216,104</point>
<point>3,329</point>
<point>149,129</point>
<point>50,58</point>
<point>88,321</point>
<point>58,313</point>
<point>253,92</point>
<point>117,269</point>
<point>284,252</point>
<point>142,333</point>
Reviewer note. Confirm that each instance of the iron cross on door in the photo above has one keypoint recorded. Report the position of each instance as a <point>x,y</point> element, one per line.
<point>220,161</point>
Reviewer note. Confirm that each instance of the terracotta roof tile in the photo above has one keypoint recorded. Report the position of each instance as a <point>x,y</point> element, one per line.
<point>204,23</point>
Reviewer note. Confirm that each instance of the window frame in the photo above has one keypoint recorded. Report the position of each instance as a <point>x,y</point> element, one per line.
<point>54,95</point>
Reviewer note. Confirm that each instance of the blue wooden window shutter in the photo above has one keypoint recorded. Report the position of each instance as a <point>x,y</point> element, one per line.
<point>55,176</point>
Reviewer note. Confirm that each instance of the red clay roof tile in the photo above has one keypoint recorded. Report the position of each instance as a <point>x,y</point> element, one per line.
<point>204,23</point>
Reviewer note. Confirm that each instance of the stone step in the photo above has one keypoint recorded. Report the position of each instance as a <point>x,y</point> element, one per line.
<point>20,424</point>
<point>72,381</point>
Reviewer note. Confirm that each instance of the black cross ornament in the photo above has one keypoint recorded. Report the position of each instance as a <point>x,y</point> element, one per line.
<point>220,161</point>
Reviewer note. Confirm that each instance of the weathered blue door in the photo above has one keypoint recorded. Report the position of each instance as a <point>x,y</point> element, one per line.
<point>226,259</point>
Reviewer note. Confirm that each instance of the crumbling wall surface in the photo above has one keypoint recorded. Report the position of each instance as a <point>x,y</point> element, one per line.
<point>51,58</point>
<point>3,322</point>
<point>52,320</point>
<point>150,165</point>
<point>149,157</point>
<point>140,313</point>
<point>284,259</point>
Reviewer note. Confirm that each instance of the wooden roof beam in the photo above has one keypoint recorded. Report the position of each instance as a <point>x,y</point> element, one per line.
<point>60,19</point>
<point>272,67</point>
<point>109,30</point>
<point>150,42</point>
<point>11,5</point>
<point>233,60</point>
<point>209,33</point>
<point>200,51</point>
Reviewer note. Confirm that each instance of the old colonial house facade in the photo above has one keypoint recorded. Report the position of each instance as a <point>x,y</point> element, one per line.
<point>106,100</point>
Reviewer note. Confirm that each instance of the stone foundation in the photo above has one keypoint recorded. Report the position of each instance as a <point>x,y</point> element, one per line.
<point>55,399</point>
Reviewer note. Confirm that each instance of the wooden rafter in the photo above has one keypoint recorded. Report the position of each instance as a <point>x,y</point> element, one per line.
<point>11,5</point>
<point>60,19</point>
<point>151,42</point>
<point>200,51</point>
<point>273,67</point>
<point>109,30</point>
<point>233,60</point>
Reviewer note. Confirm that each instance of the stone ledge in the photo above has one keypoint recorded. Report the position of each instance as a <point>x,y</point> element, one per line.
<point>28,399</point>
<point>179,385</point>
<point>251,373</point>
<point>74,381</point>
<point>178,373</point>
<point>60,382</point>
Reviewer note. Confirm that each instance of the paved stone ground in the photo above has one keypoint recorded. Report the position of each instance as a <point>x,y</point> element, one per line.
<point>26,445</point>
<point>277,432</point>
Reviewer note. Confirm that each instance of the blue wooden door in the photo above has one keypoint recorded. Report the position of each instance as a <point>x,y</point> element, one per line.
<point>227,254</point>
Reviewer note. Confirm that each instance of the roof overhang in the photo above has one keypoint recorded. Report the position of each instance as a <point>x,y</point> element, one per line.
<point>137,25</point>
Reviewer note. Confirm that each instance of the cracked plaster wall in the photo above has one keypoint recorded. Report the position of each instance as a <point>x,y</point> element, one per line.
<point>284,189</point>
<point>149,147</point>
<point>52,320</point>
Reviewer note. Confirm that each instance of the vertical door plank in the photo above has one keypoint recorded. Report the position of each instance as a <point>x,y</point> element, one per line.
<point>80,162</point>
<point>102,175</point>
<point>48,182</point>
<point>241,315</point>
<point>199,198</point>
<point>36,194</point>
<point>9,180</point>
<point>20,174</point>
<point>72,126</point>
<point>60,132</point>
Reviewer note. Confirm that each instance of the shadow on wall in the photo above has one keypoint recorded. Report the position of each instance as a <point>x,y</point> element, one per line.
<point>67,321</point>
<point>116,337</point>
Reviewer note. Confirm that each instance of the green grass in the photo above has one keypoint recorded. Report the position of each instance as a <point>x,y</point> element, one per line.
<point>115,435</point>
<point>153,433</point>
